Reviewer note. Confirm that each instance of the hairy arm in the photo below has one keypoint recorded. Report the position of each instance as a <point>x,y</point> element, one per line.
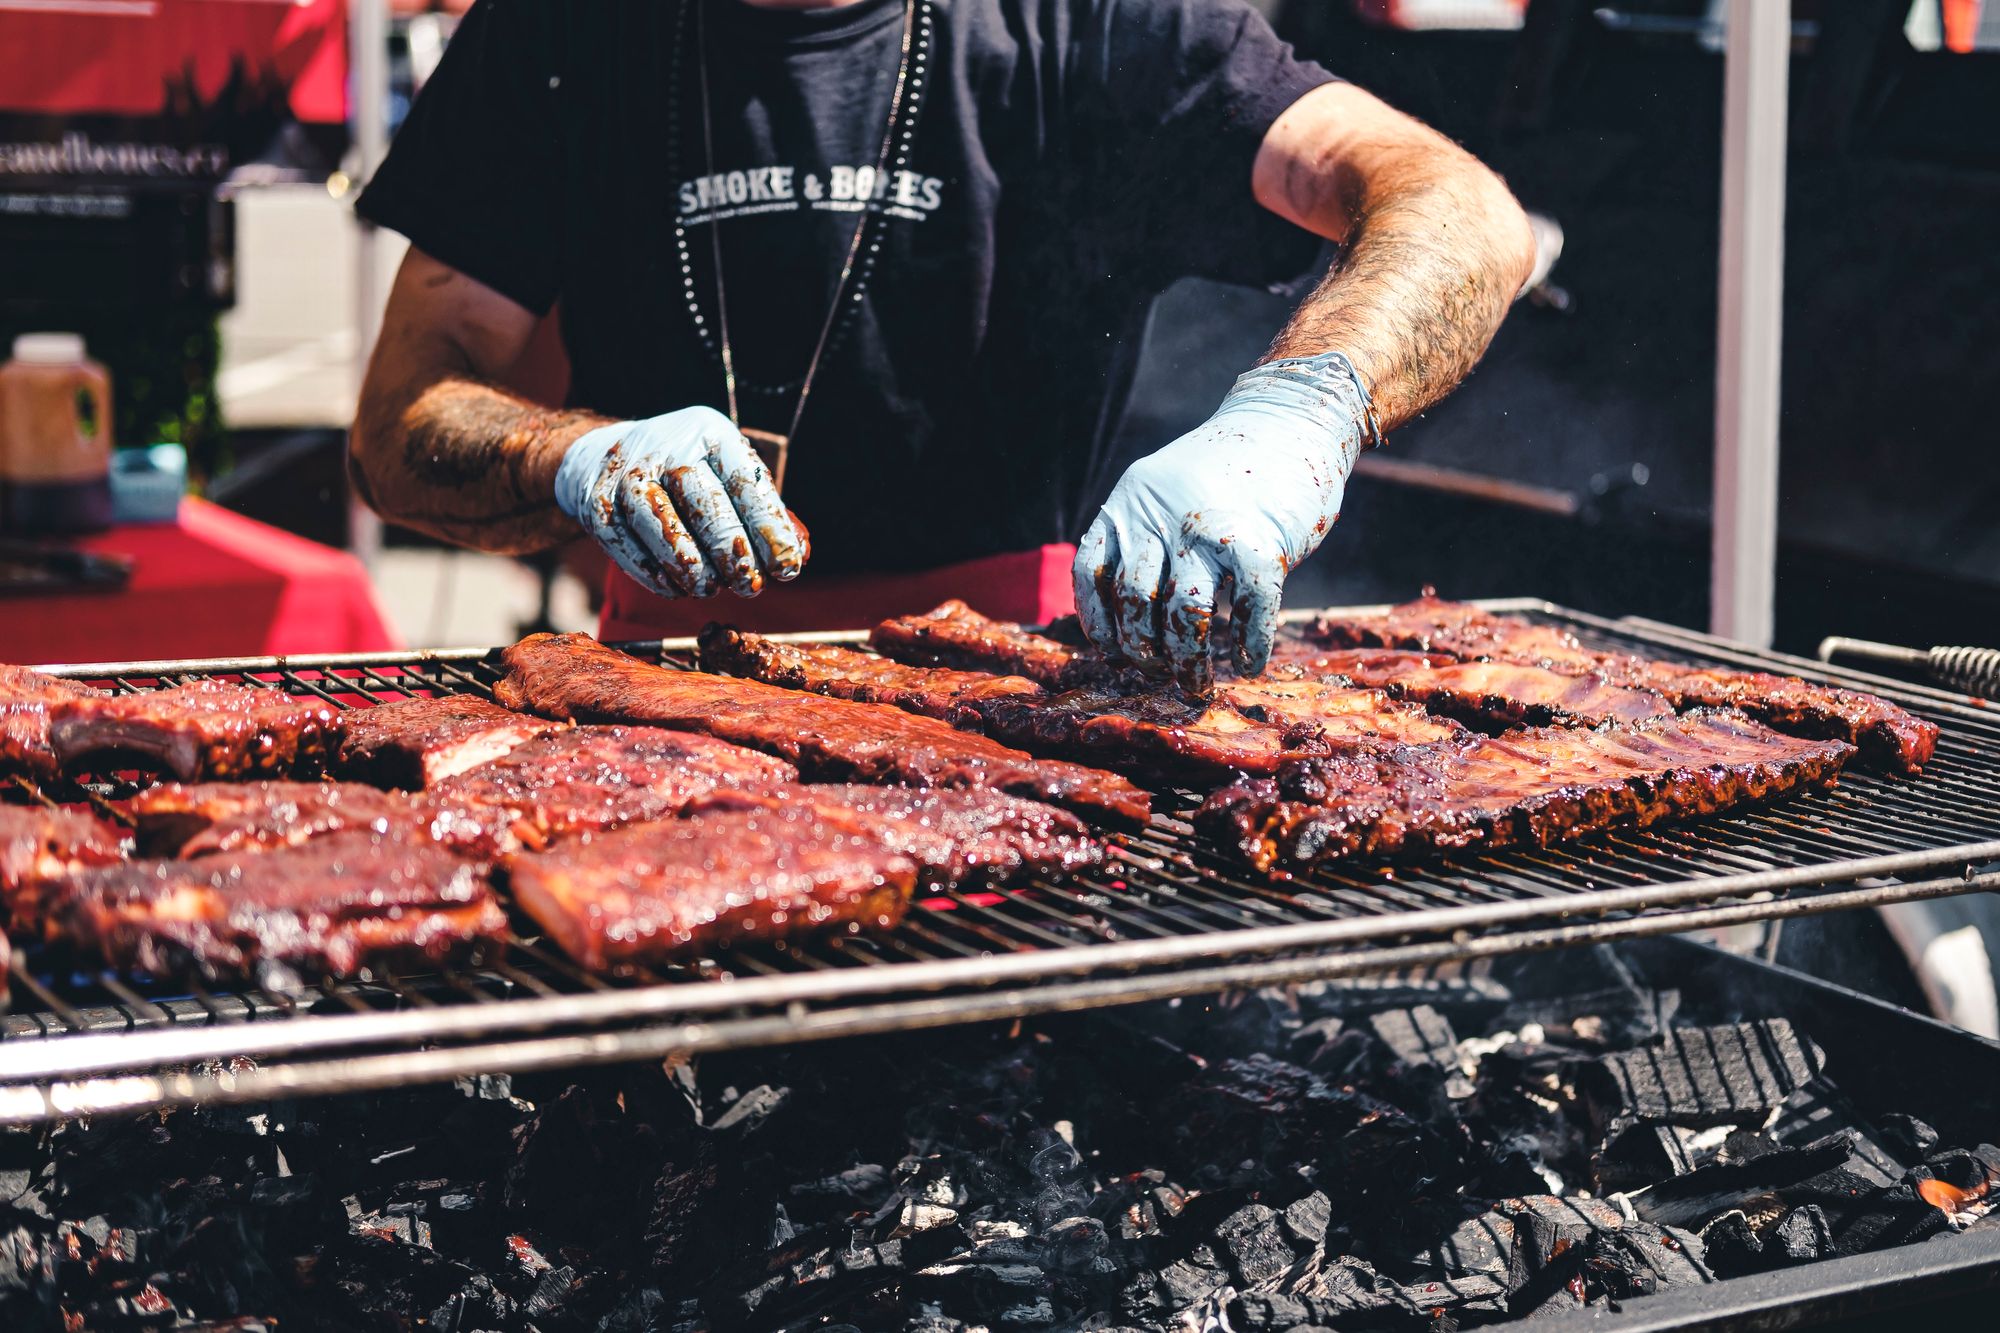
<point>435,446</point>
<point>1434,246</point>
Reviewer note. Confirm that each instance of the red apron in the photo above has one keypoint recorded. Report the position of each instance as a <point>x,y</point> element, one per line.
<point>1032,587</point>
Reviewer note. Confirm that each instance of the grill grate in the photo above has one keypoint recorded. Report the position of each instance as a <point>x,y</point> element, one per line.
<point>1164,916</point>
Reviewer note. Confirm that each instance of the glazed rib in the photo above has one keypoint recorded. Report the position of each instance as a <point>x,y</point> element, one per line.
<point>1486,694</point>
<point>959,839</point>
<point>1120,722</point>
<point>666,890</point>
<point>39,846</point>
<point>587,779</point>
<point>1886,735</point>
<point>417,743</point>
<point>572,780</point>
<point>1531,787</point>
<point>955,635</point>
<point>25,697</point>
<point>208,729</point>
<point>199,819</point>
<point>328,907</point>
<point>573,677</point>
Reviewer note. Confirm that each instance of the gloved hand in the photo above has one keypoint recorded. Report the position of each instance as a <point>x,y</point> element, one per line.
<point>682,503</point>
<point>1240,500</point>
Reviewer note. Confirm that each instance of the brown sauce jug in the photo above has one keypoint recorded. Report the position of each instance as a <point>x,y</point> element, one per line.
<point>55,439</point>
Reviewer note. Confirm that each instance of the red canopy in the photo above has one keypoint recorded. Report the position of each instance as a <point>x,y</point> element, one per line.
<point>121,57</point>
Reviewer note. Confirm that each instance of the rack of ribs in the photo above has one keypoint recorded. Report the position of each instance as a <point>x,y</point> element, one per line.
<point>327,907</point>
<point>207,729</point>
<point>39,846</point>
<point>1887,735</point>
<point>1532,787</point>
<point>417,743</point>
<point>963,838</point>
<point>1484,695</point>
<point>588,779</point>
<point>573,677</point>
<point>25,697</point>
<point>1121,720</point>
<point>682,887</point>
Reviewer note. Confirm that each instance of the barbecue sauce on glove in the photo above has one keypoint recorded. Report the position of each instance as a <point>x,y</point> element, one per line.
<point>682,503</point>
<point>1236,504</point>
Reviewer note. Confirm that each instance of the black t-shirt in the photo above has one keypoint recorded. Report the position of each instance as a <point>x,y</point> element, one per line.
<point>1063,161</point>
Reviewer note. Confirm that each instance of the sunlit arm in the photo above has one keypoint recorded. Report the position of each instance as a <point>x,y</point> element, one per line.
<point>1434,247</point>
<point>436,447</point>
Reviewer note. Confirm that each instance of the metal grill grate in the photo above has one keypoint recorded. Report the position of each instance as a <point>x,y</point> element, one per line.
<point>1164,916</point>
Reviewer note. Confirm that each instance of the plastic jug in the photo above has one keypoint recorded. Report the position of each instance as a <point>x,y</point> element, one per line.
<point>55,438</point>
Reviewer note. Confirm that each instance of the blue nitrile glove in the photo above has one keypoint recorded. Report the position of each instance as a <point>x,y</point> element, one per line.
<point>682,503</point>
<point>1240,500</point>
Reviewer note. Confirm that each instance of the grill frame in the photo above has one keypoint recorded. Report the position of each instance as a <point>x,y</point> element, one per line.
<point>1172,920</point>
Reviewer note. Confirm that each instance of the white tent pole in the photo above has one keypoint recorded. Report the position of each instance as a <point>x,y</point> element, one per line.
<point>368,123</point>
<point>1750,323</point>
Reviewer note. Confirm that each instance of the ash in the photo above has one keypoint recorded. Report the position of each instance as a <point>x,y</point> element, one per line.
<point>1439,1151</point>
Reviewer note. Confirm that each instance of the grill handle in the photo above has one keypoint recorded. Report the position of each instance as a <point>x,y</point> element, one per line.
<point>1974,670</point>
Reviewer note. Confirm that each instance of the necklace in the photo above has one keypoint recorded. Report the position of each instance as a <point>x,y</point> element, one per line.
<point>856,268</point>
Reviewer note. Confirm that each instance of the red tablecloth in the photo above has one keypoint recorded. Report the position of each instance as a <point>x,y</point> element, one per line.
<point>214,584</point>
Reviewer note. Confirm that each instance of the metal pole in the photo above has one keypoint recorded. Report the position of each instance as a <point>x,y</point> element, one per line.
<point>368,121</point>
<point>1749,327</point>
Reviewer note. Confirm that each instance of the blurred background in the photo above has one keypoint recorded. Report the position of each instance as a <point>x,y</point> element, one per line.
<point>231,294</point>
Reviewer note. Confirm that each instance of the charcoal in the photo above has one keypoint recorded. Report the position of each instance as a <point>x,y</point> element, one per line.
<point>1731,1245</point>
<point>748,1113</point>
<point>1734,1074</point>
<point>1421,1037</point>
<point>1640,1155</point>
<point>1909,1138</point>
<point>1352,1295</point>
<point>1690,1201</point>
<point>1802,1236</point>
<point>1253,1241</point>
<point>1306,1219</point>
<point>1883,1153</point>
<point>1674,1257</point>
<point>1416,1036</point>
<point>1482,1245</point>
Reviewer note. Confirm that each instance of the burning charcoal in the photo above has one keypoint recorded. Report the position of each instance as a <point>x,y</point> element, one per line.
<point>1699,1077</point>
<point>1254,1242</point>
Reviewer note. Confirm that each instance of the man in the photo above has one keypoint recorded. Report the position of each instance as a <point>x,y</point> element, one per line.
<point>918,242</point>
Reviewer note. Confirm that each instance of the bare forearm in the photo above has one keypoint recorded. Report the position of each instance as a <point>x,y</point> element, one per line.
<point>435,446</point>
<point>466,462</point>
<point>1435,251</point>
